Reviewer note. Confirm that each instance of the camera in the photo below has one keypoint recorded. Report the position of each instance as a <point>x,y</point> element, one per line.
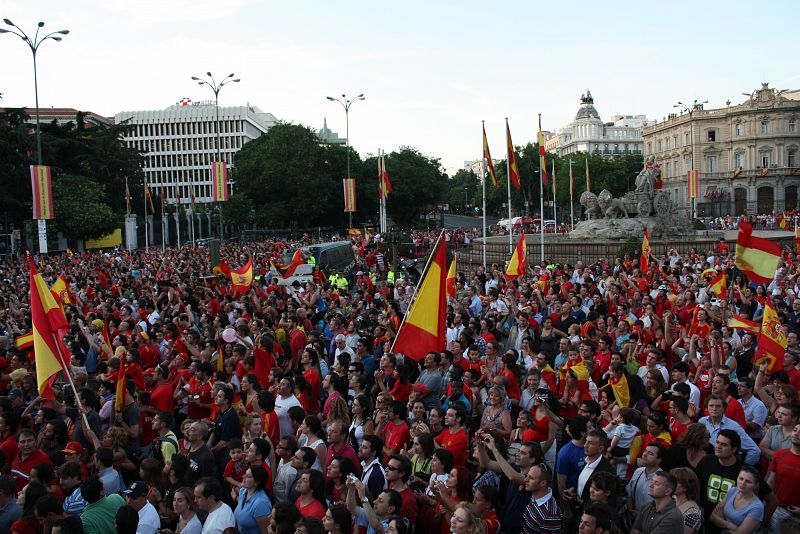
<point>351,478</point>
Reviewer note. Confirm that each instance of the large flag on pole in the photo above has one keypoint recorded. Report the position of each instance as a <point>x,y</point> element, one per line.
<point>488,157</point>
<point>219,175</point>
<point>719,285</point>
<point>518,263</point>
<point>384,185</point>
<point>349,185</point>
<point>512,160</point>
<point>644,259</point>
<point>242,278</point>
<point>61,293</point>
<point>756,257</point>
<point>119,399</point>
<point>41,187</point>
<point>694,184</point>
<point>451,279</point>
<point>47,319</point>
<point>423,329</point>
<point>742,323</point>
<point>149,197</point>
<point>771,340</point>
<point>542,158</point>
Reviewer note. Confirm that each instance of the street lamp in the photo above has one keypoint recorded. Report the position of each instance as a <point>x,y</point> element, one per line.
<point>690,111</point>
<point>346,103</point>
<point>217,87</point>
<point>34,44</point>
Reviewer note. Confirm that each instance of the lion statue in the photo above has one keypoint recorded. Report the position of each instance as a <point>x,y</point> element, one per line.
<point>589,201</point>
<point>613,207</point>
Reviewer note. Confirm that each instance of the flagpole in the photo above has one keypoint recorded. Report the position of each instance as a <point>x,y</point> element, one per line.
<point>571,203</point>
<point>127,198</point>
<point>69,377</point>
<point>553,177</point>
<point>508,187</point>
<point>586,160</point>
<point>483,209</point>
<point>541,195</point>
<point>178,214</point>
<point>163,222</point>
<point>146,230</point>
<point>416,287</point>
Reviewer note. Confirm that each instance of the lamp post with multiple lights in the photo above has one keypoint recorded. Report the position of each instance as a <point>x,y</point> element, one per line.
<point>346,103</point>
<point>690,110</point>
<point>217,87</point>
<point>34,44</point>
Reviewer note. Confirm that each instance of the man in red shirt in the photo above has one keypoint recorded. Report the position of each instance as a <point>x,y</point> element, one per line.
<point>199,391</point>
<point>454,438</point>
<point>784,479</point>
<point>297,340</point>
<point>398,472</point>
<point>29,456</point>
<point>395,430</point>
<point>161,397</point>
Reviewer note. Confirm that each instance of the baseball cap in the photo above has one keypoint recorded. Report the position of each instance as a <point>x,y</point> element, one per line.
<point>73,447</point>
<point>137,489</point>
<point>98,323</point>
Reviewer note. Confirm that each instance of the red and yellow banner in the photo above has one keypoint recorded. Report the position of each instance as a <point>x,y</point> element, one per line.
<point>771,340</point>
<point>488,157</point>
<point>25,341</point>
<point>384,184</point>
<point>737,172</point>
<point>719,285</point>
<point>349,185</point>
<point>543,156</point>
<point>423,330</point>
<point>513,168</point>
<point>694,183</point>
<point>756,257</point>
<point>518,263</point>
<point>48,319</point>
<point>742,323</point>
<point>41,187</point>
<point>219,181</point>
<point>451,279</point>
<point>119,399</point>
<point>644,259</point>
<point>149,197</point>
<point>242,279</point>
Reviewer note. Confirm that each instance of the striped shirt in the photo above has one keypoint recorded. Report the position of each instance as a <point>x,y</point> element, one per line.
<point>75,504</point>
<point>543,516</point>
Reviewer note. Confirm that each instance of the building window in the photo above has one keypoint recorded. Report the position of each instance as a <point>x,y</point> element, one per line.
<point>764,156</point>
<point>738,160</point>
<point>668,169</point>
<point>675,140</point>
<point>738,129</point>
<point>712,136</point>
<point>660,145</point>
<point>686,139</point>
<point>791,158</point>
<point>649,147</point>
<point>711,163</point>
<point>764,126</point>
<point>792,126</point>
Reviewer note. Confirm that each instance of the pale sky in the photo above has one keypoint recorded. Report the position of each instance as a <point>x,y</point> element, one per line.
<point>430,71</point>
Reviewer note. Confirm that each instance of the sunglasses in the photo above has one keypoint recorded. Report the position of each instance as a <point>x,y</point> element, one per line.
<point>392,468</point>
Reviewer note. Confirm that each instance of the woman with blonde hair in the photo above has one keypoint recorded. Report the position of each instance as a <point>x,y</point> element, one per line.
<point>496,415</point>
<point>339,411</point>
<point>254,428</point>
<point>466,520</point>
<point>654,386</point>
<point>183,503</point>
<point>686,495</point>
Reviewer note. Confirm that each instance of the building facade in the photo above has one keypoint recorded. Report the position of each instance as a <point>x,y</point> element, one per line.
<point>329,137</point>
<point>179,144</point>
<point>588,133</point>
<point>746,155</point>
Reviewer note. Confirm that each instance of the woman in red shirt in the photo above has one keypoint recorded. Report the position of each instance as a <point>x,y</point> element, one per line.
<point>311,486</point>
<point>487,502</point>
<point>510,371</point>
<point>310,362</point>
<point>544,427</point>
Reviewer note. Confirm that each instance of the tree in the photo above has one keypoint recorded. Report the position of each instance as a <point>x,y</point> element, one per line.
<point>418,184</point>
<point>463,190</point>
<point>81,212</point>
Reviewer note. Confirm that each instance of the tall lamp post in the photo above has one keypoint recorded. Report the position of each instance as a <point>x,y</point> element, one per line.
<point>34,45</point>
<point>346,103</point>
<point>690,110</point>
<point>217,87</point>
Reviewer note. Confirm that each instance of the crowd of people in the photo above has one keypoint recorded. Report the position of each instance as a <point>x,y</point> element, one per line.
<point>576,398</point>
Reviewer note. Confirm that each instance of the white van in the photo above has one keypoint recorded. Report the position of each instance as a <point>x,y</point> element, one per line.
<point>302,274</point>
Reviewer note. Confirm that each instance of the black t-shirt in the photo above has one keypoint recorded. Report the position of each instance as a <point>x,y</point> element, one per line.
<point>201,464</point>
<point>516,500</point>
<point>715,481</point>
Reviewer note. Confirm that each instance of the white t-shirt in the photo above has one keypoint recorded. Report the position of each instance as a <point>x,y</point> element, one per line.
<point>219,520</point>
<point>149,522</point>
<point>282,409</point>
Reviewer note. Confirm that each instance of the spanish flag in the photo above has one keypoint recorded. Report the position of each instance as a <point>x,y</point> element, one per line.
<point>741,323</point>
<point>694,184</point>
<point>60,291</point>
<point>513,168</point>
<point>107,338</point>
<point>42,192</point>
<point>242,278</point>
<point>219,180</point>
<point>149,197</point>
<point>488,157</point>
<point>222,268</point>
<point>349,188</point>
<point>719,285</point>
<point>423,329</point>
<point>220,355</point>
<point>384,184</point>
<point>543,155</point>
<point>25,341</point>
<point>621,391</point>
<point>644,259</point>
<point>771,340</point>
<point>756,257</point>
<point>451,279</point>
<point>48,319</point>
<point>519,260</point>
<point>119,399</point>
<point>288,270</point>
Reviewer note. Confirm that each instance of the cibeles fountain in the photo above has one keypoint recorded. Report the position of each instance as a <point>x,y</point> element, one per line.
<point>648,206</point>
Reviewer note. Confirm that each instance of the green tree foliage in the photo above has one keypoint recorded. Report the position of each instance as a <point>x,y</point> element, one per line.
<point>418,184</point>
<point>464,187</point>
<point>81,212</point>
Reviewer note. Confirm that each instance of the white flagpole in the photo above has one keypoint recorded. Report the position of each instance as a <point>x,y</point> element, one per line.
<point>553,176</point>
<point>483,208</point>
<point>571,203</point>
<point>178,215</point>
<point>541,195</point>
<point>508,187</point>
<point>146,232</point>
<point>587,172</point>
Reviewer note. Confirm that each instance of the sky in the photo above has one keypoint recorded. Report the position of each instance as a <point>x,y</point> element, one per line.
<point>430,71</point>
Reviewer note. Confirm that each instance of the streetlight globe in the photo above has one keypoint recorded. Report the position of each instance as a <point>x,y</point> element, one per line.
<point>8,22</point>
<point>230,75</point>
<point>330,98</point>
<point>195,78</point>
<point>360,96</point>
<point>41,24</point>
<point>209,73</point>
<point>64,32</point>
<point>237,80</point>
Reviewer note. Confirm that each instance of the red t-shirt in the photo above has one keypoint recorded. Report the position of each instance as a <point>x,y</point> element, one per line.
<point>786,466</point>
<point>396,436</point>
<point>204,390</point>
<point>21,469</point>
<point>312,509</point>
<point>161,398</point>
<point>457,443</point>
<point>265,361</point>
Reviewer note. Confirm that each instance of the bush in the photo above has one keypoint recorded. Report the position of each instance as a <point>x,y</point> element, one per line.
<point>700,225</point>
<point>632,247</point>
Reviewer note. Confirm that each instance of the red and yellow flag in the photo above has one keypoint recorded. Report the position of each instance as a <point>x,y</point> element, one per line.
<point>220,354</point>
<point>763,171</point>
<point>756,257</point>
<point>742,323</point>
<point>48,348</point>
<point>518,264</point>
<point>513,168</point>
<point>771,340</point>
<point>542,155</point>
<point>41,187</point>
<point>644,258</point>
<point>60,291</point>
<point>219,178</point>
<point>149,197</point>
<point>107,338</point>
<point>423,329</point>
<point>451,279</point>
<point>384,185</point>
<point>349,185</point>
<point>694,184</point>
<point>25,341</point>
<point>488,157</point>
<point>288,270</point>
<point>719,285</point>
<point>119,399</point>
<point>242,278</point>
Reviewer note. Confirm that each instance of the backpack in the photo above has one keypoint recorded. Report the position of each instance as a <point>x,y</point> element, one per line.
<point>155,449</point>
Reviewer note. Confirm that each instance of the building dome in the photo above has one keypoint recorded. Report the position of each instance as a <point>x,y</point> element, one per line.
<point>587,112</point>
